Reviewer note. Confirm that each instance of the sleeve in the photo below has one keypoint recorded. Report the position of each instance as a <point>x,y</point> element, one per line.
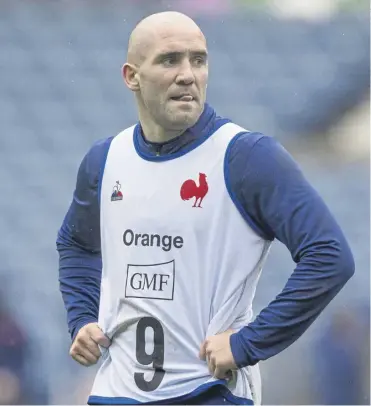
<point>78,243</point>
<point>277,201</point>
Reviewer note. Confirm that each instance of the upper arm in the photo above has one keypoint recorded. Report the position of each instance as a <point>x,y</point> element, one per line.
<point>277,198</point>
<point>81,225</point>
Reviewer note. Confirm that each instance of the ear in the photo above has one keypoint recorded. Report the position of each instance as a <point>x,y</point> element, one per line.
<point>130,75</point>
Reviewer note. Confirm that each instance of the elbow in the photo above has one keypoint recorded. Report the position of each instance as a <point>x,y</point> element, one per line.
<point>349,267</point>
<point>346,264</point>
<point>63,239</point>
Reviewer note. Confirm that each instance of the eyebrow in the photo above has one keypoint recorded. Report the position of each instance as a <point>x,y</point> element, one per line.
<point>177,54</point>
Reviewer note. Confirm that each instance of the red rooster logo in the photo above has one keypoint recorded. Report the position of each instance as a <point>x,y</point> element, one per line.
<point>189,189</point>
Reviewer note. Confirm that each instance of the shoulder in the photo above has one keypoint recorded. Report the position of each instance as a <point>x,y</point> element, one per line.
<point>262,151</point>
<point>99,149</point>
<point>96,155</point>
<point>246,141</point>
<point>261,177</point>
<point>93,161</point>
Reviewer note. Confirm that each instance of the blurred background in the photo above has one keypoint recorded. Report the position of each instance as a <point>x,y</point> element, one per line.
<point>295,70</point>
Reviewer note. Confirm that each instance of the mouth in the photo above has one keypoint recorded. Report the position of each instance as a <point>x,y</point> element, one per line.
<point>183,98</point>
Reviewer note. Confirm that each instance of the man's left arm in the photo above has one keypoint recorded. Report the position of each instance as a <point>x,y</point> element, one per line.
<point>278,202</point>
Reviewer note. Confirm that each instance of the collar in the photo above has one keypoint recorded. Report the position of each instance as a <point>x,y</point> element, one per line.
<point>203,128</point>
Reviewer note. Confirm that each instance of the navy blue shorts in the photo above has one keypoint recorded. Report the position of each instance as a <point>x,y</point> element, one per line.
<point>215,395</point>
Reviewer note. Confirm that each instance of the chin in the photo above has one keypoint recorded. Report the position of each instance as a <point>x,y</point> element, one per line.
<point>185,119</point>
<point>182,123</point>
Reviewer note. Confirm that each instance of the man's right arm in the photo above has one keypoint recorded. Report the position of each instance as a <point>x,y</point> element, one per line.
<point>78,243</point>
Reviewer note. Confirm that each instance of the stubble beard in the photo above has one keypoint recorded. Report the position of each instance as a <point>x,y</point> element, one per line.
<point>182,120</point>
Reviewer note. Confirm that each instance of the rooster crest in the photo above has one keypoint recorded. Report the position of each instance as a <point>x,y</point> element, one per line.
<point>189,189</point>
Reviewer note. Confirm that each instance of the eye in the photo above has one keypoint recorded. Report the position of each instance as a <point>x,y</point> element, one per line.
<point>169,61</point>
<point>199,60</point>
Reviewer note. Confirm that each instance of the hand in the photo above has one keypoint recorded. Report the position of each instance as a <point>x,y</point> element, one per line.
<point>85,349</point>
<point>216,350</point>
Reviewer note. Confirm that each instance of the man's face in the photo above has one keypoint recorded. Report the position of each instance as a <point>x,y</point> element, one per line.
<point>173,78</point>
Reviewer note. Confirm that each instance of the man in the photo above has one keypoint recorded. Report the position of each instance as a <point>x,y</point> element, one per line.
<point>164,273</point>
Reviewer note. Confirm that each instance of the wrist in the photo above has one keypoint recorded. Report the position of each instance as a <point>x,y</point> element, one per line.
<point>238,348</point>
<point>80,324</point>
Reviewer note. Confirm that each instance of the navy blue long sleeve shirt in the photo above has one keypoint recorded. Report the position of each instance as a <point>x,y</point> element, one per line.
<point>271,194</point>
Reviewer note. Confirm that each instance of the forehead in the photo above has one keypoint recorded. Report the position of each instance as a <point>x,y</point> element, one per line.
<point>178,39</point>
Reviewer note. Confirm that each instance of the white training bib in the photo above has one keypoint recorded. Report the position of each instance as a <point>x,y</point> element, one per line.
<point>179,263</point>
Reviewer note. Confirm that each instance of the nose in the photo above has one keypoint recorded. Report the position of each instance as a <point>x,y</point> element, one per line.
<point>185,75</point>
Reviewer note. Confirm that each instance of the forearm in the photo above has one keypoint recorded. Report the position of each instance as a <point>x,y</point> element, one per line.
<point>316,280</point>
<point>278,202</point>
<point>79,282</point>
<point>78,244</point>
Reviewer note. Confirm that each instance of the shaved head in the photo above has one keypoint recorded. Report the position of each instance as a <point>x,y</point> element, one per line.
<point>167,69</point>
<point>147,30</point>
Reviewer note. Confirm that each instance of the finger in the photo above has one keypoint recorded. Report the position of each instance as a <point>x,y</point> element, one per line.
<point>100,338</point>
<point>92,346</point>
<point>81,339</point>
<point>220,373</point>
<point>91,358</point>
<point>211,364</point>
<point>103,341</point>
<point>202,353</point>
<point>81,360</point>
<point>80,348</point>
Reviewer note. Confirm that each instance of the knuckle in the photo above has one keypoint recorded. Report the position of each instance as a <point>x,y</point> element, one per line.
<point>75,347</point>
<point>80,339</point>
<point>84,362</point>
